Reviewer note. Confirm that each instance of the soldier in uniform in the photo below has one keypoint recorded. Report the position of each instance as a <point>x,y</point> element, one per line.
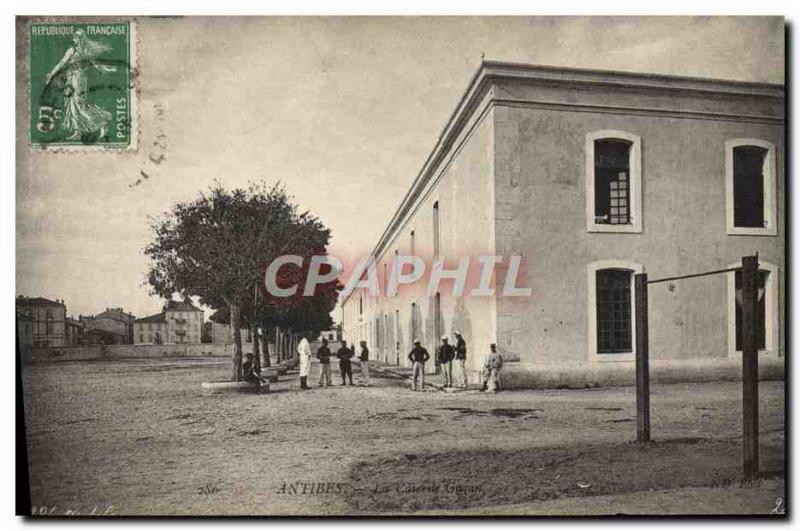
<point>345,368</point>
<point>418,357</point>
<point>445,356</point>
<point>364,360</point>
<point>324,357</point>
<point>304,350</point>
<point>490,377</point>
<point>250,373</point>
<point>461,358</point>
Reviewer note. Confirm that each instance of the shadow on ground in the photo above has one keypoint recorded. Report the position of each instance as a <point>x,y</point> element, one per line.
<point>415,482</point>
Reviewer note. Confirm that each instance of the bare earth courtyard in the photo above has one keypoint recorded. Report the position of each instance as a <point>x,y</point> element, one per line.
<point>140,437</point>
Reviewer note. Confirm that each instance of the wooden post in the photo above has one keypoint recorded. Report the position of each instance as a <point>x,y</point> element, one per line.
<point>642,360</point>
<point>749,366</point>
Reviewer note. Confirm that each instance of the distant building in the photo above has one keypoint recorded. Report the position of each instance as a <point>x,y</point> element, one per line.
<point>184,322</point>
<point>25,323</point>
<point>115,321</point>
<point>333,335</point>
<point>41,322</point>
<point>221,334</point>
<point>99,336</point>
<point>74,330</point>
<point>178,322</point>
<point>151,329</point>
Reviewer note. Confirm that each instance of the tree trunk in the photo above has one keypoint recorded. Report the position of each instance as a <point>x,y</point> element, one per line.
<point>256,353</point>
<point>236,328</point>
<point>278,344</point>
<point>265,346</point>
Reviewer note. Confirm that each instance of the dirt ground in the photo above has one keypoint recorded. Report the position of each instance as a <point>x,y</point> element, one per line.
<point>140,437</point>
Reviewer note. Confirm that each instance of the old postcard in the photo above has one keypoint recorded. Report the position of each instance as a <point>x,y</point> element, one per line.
<point>401,266</point>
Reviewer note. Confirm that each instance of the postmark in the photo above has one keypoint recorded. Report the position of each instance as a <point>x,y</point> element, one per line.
<point>82,85</point>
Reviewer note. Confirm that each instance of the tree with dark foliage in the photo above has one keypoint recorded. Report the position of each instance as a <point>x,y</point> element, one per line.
<point>215,248</point>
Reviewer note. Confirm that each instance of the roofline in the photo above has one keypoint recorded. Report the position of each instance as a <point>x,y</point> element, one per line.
<point>634,79</point>
<point>119,310</point>
<point>194,308</point>
<point>34,301</point>
<point>144,319</point>
<point>489,70</point>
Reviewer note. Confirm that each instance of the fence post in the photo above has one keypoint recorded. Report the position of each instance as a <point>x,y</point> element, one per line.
<point>749,366</point>
<point>642,360</point>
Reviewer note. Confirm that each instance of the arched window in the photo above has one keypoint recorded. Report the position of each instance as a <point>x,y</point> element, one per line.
<point>750,186</point>
<point>611,310</point>
<point>613,182</point>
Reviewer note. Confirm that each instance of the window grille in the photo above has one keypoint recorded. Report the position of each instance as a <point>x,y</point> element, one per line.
<point>612,182</point>
<point>614,327</point>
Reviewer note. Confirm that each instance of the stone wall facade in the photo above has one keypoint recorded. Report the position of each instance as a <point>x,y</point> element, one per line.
<point>513,174</point>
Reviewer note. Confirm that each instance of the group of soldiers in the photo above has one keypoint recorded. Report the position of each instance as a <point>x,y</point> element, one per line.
<point>344,354</point>
<point>450,359</point>
<point>446,356</point>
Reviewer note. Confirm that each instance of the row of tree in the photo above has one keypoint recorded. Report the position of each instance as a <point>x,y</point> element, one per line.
<point>215,249</point>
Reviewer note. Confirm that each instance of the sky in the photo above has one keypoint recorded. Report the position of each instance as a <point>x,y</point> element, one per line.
<point>342,111</point>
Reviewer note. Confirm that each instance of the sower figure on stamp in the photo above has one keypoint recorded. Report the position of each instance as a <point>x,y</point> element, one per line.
<point>445,356</point>
<point>490,374</point>
<point>461,359</point>
<point>250,373</point>
<point>345,368</point>
<point>304,349</point>
<point>364,360</point>
<point>418,357</point>
<point>81,115</point>
<point>324,357</point>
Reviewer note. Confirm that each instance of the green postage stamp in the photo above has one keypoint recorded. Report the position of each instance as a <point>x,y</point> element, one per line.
<point>82,92</point>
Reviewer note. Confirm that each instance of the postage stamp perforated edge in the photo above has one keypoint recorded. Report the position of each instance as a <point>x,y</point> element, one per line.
<point>133,89</point>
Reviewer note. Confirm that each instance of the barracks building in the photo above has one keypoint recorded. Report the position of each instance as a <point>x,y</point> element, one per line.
<point>593,176</point>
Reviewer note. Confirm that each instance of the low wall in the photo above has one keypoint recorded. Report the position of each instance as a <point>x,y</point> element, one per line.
<point>47,354</point>
<point>80,353</point>
<point>614,374</point>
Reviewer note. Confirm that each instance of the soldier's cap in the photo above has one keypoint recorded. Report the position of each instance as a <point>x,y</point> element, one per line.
<point>416,341</point>
<point>456,332</point>
<point>444,338</point>
<point>493,345</point>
